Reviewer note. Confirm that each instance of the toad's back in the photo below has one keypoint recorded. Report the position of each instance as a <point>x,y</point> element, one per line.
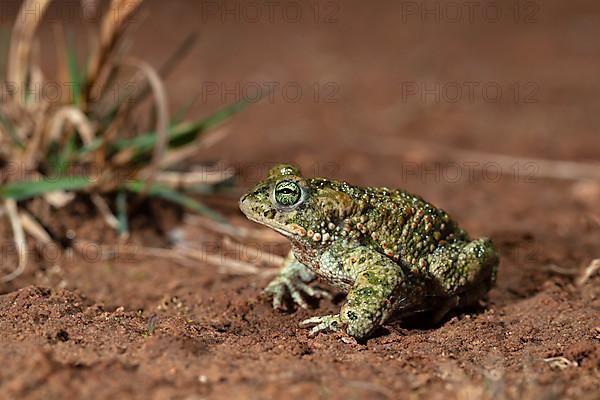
<point>396,223</point>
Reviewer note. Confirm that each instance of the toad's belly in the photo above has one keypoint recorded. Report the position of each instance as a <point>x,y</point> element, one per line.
<point>327,268</point>
<point>339,282</point>
<point>331,270</point>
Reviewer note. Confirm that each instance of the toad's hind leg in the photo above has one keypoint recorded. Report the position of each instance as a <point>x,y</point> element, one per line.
<point>464,271</point>
<point>380,288</point>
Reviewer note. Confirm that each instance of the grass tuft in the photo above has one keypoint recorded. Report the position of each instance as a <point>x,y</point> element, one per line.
<point>48,145</point>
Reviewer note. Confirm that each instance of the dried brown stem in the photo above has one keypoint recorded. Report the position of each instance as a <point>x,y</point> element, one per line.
<point>21,42</point>
<point>225,266</point>
<point>162,121</point>
<point>72,115</point>
<point>555,169</point>
<point>241,234</point>
<point>186,180</point>
<point>589,272</point>
<point>112,27</point>
<point>18,238</point>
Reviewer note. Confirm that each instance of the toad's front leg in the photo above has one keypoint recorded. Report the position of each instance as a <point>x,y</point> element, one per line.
<point>292,281</point>
<point>379,289</point>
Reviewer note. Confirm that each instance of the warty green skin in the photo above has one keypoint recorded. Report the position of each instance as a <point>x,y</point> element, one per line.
<point>392,252</point>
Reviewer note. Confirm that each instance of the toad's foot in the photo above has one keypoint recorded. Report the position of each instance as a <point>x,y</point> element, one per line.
<point>292,285</point>
<point>324,323</point>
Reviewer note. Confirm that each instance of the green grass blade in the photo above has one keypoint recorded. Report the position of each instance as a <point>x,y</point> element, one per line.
<point>93,146</point>
<point>27,190</point>
<point>66,154</point>
<point>121,201</point>
<point>176,197</point>
<point>183,111</point>
<point>75,73</point>
<point>186,131</point>
<point>179,134</point>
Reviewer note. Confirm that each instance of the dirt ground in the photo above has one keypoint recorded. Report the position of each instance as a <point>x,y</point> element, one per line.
<point>140,326</point>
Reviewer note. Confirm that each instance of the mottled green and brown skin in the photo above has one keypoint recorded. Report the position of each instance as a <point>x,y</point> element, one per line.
<point>392,252</point>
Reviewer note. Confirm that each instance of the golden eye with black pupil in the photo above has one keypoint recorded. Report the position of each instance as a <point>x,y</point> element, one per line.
<point>287,193</point>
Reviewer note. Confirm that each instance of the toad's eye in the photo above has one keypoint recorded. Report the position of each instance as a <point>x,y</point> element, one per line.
<point>287,193</point>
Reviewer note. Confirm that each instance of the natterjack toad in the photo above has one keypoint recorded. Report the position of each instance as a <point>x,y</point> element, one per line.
<point>392,252</point>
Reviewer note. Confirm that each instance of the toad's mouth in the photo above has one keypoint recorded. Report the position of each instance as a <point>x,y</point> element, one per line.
<point>270,224</point>
<point>247,210</point>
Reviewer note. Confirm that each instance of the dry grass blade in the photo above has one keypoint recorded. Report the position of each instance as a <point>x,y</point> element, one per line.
<point>37,138</point>
<point>232,267</point>
<point>162,120</point>
<point>21,41</point>
<point>112,26</point>
<point>589,272</point>
<point>105,252</point>
<point>180,53</point>
<point>59,199</point>
<point>104,210</point>
<point>165,69</point>
<point>225,266</point>
<point>187,180</point>
<point>210,139</point>
<point>73,115</point>
<point>560,362</point>
<point>18,238</point>
<point>36,80</point>
<point>542,168</point>
<point>5,142</point>
<point>239,233</point>
<point>60,46</point>
<point>17,120</point>
<point>37,231</point>
<point>555,269</point>
<point>110,134</point>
